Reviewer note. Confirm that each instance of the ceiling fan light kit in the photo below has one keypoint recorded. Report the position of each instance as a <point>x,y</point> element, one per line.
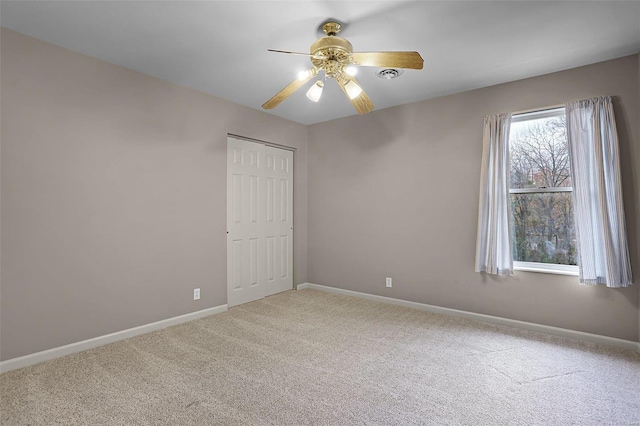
<point>351,70</point>
<point>353,90</point>
<point>315,91</point>
<point>304,75</point>
<point>335,56</point>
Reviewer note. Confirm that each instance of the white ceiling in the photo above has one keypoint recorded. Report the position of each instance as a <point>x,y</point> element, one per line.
<point>220,47</point>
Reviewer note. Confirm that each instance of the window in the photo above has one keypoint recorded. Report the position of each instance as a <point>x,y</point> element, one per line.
<point>542,223</point>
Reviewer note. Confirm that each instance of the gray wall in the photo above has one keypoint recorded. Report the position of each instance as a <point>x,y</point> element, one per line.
<point>395,193</point>
<point>113,196</point>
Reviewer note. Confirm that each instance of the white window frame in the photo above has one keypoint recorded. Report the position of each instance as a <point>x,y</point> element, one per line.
<point>547,268</point>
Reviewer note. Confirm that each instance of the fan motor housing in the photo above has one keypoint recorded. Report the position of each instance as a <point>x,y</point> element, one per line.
<point>331,54</point>
<point>331,42</point>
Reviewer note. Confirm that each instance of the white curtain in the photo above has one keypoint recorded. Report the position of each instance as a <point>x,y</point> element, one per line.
<point>603,256</point>
<point>493,244</point>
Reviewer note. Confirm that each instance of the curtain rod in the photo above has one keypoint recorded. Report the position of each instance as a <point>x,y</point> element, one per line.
<point>275,145</point>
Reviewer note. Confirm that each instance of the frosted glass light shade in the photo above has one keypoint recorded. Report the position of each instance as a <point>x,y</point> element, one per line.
<point>353,90</point>
<point>315,91</point>
<point>351,70</point>
<point>303,75</point>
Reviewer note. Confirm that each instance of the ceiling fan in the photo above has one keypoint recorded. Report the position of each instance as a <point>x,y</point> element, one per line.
<point>335,56</point>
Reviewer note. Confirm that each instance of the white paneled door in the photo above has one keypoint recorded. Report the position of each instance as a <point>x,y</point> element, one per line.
<point>259,221</point>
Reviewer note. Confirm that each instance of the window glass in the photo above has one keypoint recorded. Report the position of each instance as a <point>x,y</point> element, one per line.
<point>542,222</point>
<point>539,153</point>
<point>543,228</point>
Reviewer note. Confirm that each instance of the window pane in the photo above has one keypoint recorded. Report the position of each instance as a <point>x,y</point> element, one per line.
<point>542,228</point>
<point>539,153</point>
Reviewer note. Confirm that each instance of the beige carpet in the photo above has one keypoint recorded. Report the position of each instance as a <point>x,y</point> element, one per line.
<point>310,357</point>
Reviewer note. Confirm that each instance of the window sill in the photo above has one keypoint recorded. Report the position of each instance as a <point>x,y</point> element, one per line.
<point>546,268</point>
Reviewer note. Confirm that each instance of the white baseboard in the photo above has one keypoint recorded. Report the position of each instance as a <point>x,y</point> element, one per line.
<point>594,338</point>
<point>35,358</point>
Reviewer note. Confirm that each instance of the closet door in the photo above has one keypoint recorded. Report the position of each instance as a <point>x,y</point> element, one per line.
<point>246,260</point>
<point>259,221</point>
<point>279,219</point>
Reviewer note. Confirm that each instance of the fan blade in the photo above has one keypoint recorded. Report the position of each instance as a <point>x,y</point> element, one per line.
<point>361,103</point>
<point>288,90</point>
<point>291,53</point>
<point>411,60</point>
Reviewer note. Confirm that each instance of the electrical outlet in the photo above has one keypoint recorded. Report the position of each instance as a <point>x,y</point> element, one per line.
<point>196,293</point>
<point>389,282</point>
